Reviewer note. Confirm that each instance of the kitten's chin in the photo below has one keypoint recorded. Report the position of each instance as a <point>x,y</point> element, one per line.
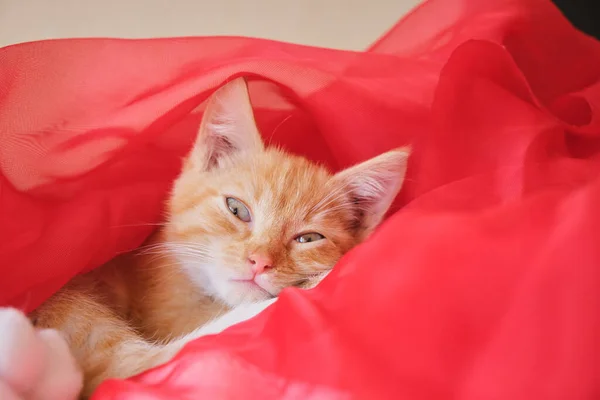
<point>234,293</point>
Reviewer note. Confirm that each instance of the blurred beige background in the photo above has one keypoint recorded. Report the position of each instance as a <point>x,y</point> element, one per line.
<point>345,24</point>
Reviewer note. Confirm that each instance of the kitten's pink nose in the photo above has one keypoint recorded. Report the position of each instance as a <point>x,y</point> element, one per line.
<point>259,263</point>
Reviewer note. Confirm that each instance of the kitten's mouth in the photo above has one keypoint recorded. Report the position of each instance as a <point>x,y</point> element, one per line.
<point>251,283</point>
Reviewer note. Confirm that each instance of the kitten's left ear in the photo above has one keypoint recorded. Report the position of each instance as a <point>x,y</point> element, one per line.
<point>227,128</point>
<point>373,185</point>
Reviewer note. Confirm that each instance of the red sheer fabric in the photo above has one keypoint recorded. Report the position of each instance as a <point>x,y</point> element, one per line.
<point>486,285</point>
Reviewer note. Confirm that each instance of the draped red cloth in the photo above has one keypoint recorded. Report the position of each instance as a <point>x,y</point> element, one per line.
<point>485,285</point>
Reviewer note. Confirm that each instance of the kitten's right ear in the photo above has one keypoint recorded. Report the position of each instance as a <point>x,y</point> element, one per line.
<point>227,129</point>
<point>373,186</point>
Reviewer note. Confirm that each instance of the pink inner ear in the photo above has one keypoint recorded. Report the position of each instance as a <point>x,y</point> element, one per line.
<point>217,147</point>
<point>227,126</point>
<point>375,183</point>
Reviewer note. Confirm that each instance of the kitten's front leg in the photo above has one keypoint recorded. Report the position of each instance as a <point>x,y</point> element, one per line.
<point>35,364</point>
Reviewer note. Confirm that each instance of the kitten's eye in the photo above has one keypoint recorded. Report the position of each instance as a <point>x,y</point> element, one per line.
<point>238,209</point>
<point>309,237</point>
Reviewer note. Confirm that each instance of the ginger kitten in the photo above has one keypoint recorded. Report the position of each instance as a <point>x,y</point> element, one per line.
<point>244,222</point>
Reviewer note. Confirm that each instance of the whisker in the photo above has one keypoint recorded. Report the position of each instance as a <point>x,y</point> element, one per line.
<point>330,198</point>
<point>277,127</point>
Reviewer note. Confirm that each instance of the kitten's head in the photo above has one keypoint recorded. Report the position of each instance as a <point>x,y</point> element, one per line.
<point>246,221</point>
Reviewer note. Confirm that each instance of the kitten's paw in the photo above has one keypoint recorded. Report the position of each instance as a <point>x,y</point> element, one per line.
<point>34,365</point>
